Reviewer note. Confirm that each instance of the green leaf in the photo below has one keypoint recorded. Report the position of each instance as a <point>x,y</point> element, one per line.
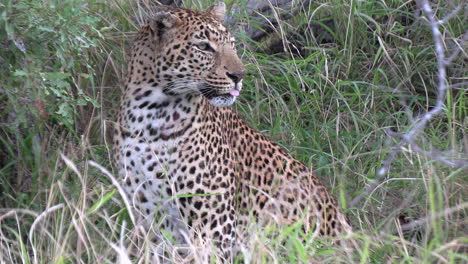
<point>47,29</point>
<point>101,202</point>
<point>19,73</point>
<point>168,235</point>
<point>81,102</point>
<point>58,92</point>
<point>51,76</point>
<point>66,111</point>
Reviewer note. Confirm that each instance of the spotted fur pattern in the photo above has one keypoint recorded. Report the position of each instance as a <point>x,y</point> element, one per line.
<point>189,163</point>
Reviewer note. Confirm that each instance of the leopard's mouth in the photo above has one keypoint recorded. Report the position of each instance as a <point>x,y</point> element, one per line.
<point>210,93</point>
<point>231,93</point>
<point>226,96</point>
<point>221,97</point>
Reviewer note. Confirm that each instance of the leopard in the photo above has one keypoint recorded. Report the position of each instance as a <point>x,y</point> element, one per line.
<point>188,163</point>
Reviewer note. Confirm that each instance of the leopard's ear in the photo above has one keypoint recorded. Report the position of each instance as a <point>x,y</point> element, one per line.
<point>218,11</point>
<point>163,21</point>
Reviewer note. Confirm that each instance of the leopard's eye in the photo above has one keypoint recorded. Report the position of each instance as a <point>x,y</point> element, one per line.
<point>204,46</point>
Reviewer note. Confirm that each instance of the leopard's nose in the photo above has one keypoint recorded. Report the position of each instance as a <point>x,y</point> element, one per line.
<point>236,76</point>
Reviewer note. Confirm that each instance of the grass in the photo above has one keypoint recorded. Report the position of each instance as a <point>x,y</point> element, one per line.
<point>328,105</point>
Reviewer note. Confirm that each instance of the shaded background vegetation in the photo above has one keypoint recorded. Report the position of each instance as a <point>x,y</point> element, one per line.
<point>325,83</point>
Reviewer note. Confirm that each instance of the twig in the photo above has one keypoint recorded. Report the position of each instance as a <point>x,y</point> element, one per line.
<point>421,221</point>
<point>449,16</point>
<point>380,176</point>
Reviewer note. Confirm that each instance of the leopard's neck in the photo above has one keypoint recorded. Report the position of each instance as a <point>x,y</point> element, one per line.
<point>149,114</point>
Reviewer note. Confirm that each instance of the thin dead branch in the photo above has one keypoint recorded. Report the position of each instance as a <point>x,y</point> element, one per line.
<point>422,221</point>
<point>412,137</point>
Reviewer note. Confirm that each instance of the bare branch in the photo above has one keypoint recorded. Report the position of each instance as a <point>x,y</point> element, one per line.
<point>449,16</point>
<point>436,155</point>
<point>411,137</point>
<point>458,85</point>
<point>380,175</point>
<point>419,222</point>
<point>457,50</point>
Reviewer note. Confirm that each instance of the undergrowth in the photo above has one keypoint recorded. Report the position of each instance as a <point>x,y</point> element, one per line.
<point>350,70</point>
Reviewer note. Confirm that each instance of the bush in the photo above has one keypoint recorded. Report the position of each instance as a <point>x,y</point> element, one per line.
<point>44,60</point>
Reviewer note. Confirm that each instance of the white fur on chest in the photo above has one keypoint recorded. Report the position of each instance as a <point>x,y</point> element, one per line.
<point>156,126</point>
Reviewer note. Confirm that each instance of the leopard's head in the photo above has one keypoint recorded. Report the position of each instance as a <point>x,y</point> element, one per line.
<point>191,52</point>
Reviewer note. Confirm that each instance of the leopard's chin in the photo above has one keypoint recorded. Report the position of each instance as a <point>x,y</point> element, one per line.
<point>224,100</point>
